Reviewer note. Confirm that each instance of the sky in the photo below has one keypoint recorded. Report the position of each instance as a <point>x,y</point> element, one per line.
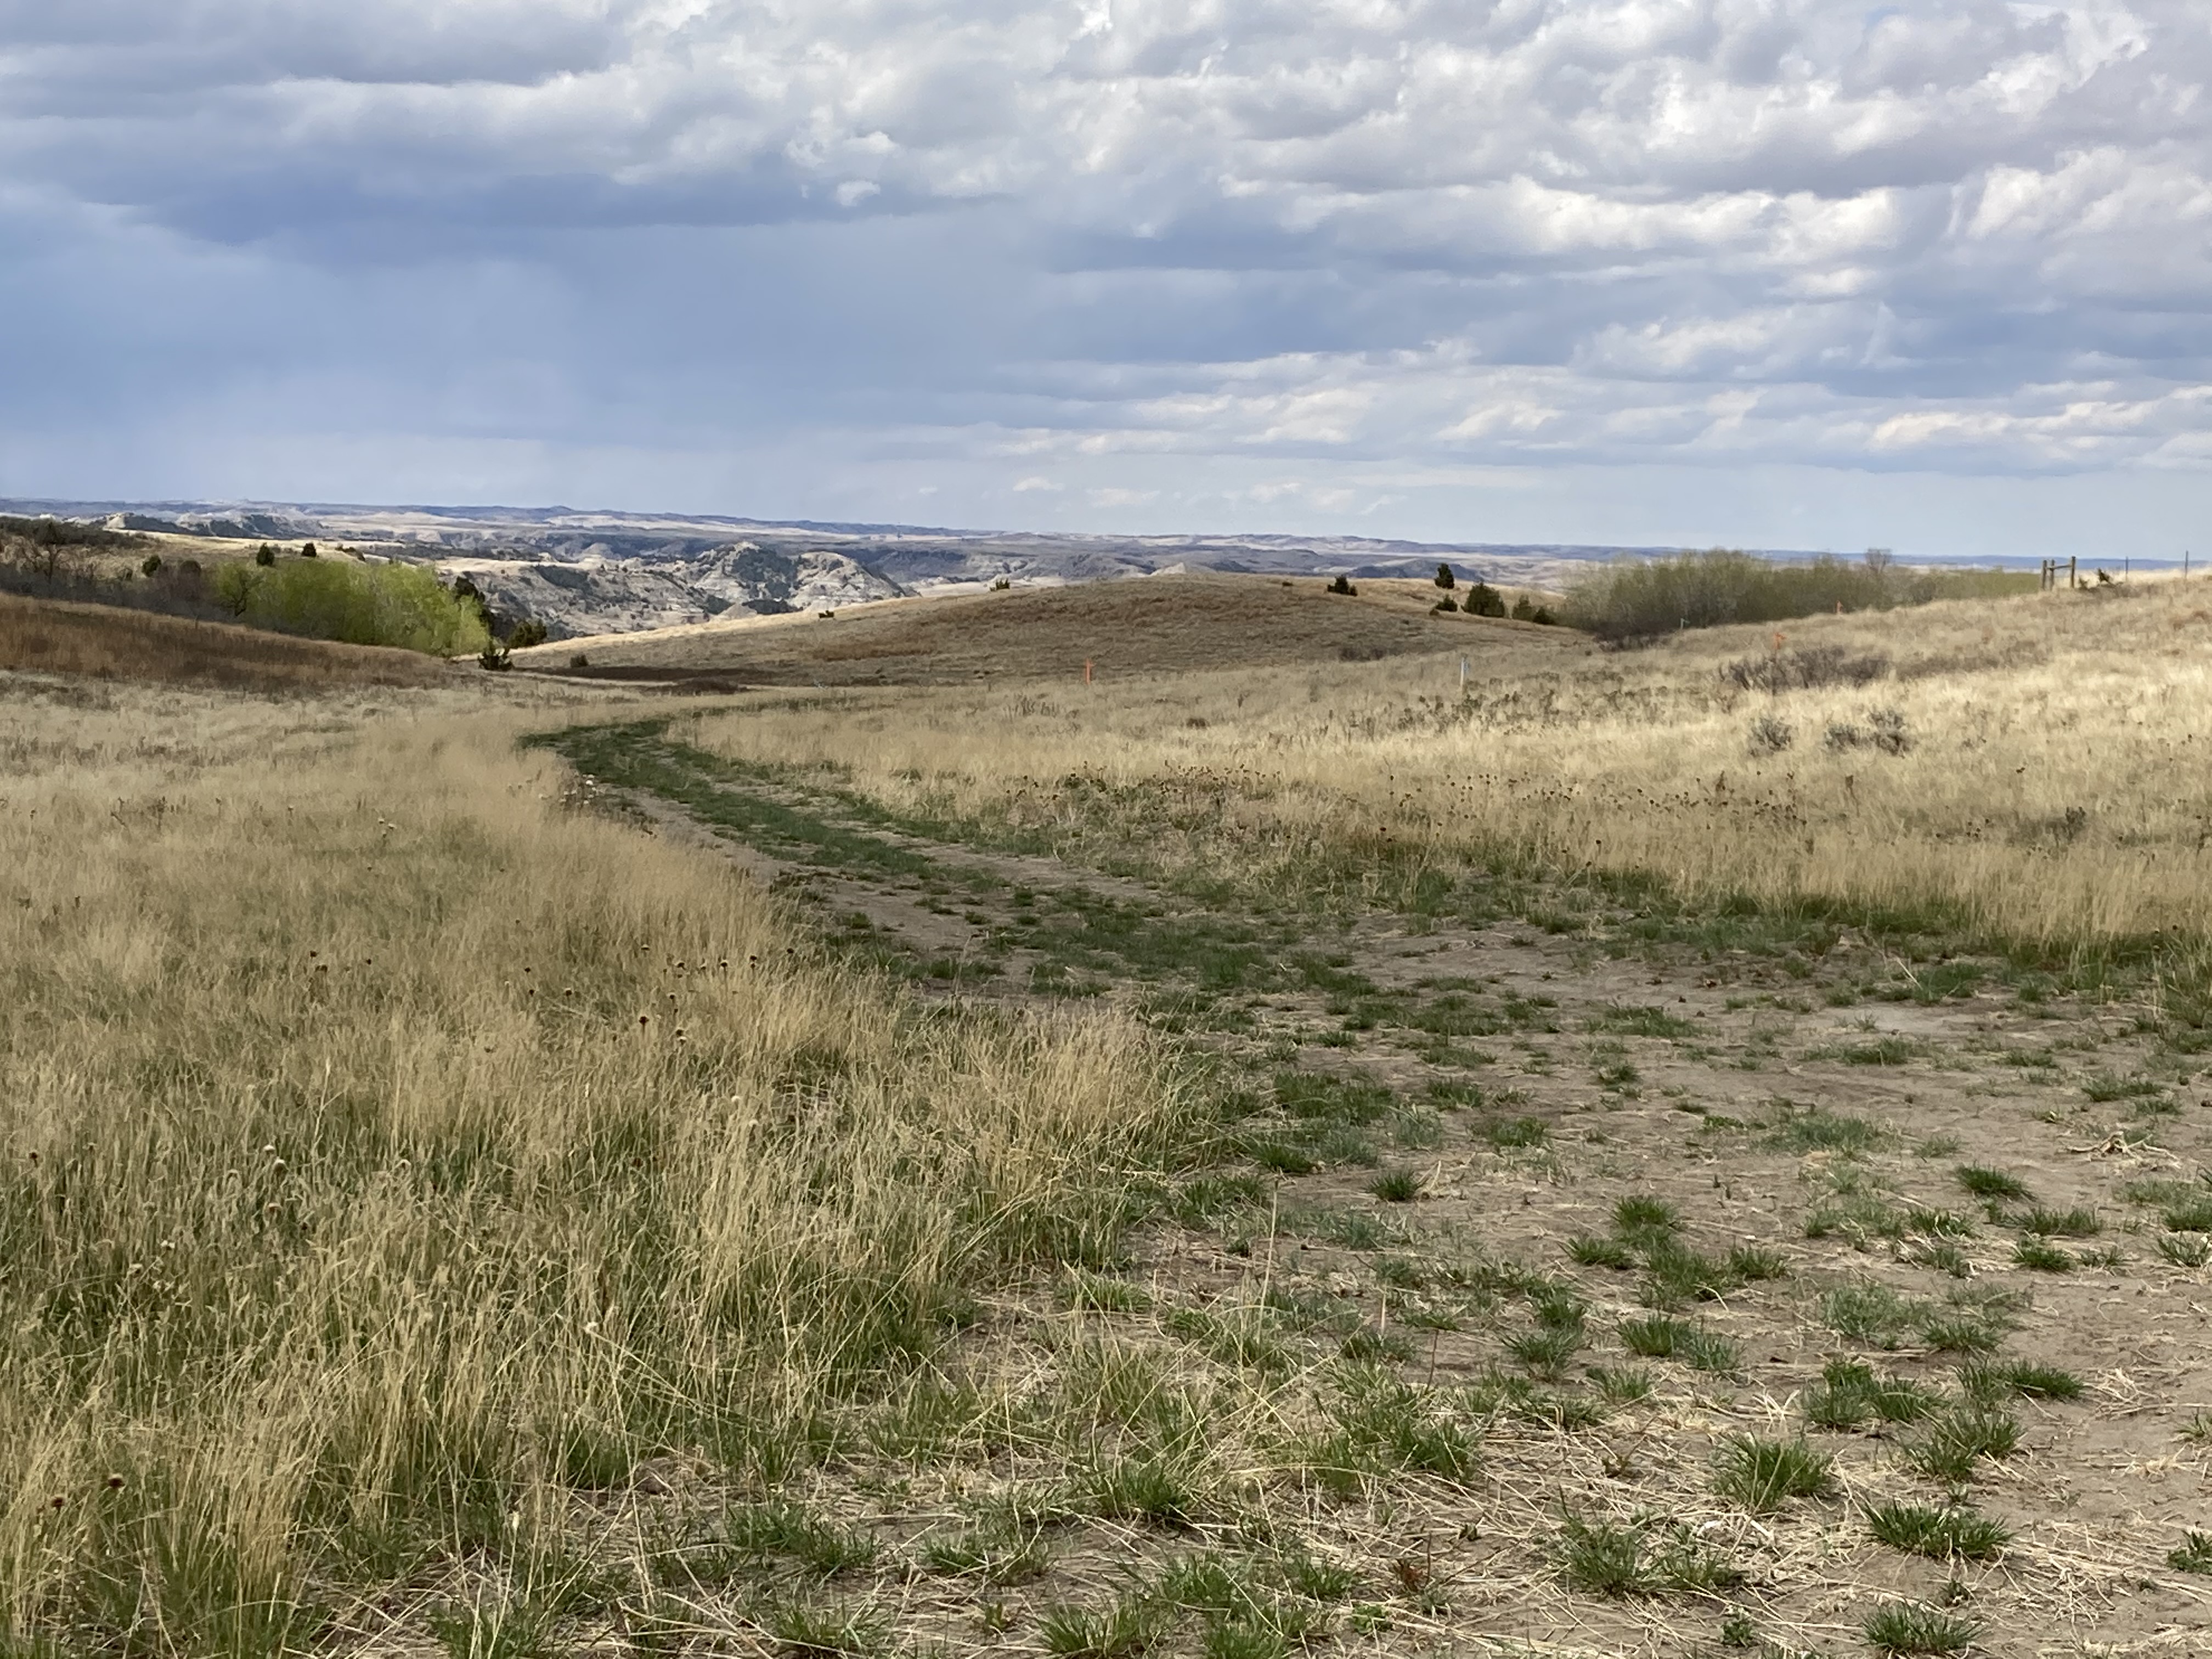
<point>1934,277</point>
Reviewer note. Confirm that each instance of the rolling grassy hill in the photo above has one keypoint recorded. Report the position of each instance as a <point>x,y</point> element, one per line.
<point>1161,624</point>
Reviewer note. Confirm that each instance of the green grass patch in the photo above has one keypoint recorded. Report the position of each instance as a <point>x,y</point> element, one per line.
<point>1613,1559</point>
<point>1761,1475</point>
<point>1984,1181</point>
<point>1902,1630</point>
<point>1944,1534</point>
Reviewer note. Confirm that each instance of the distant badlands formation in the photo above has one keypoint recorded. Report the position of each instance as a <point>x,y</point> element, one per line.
<point>615,572</point>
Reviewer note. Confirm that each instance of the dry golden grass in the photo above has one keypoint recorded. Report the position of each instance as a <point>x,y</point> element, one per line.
<point>108,643</point>
<point>1126,629</point>
<point>389,1148</point>
<point>2049,789</point>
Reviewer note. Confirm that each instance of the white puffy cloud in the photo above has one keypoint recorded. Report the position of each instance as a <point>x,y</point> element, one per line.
<point>1962,236</point>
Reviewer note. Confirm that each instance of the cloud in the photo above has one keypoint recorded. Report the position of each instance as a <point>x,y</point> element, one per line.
<point>1958,236</point>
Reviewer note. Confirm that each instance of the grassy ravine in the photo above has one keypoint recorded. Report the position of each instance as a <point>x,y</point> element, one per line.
<point>398,1166</point>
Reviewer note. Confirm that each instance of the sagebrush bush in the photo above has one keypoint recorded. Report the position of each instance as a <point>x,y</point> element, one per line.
<point>1805,669</point>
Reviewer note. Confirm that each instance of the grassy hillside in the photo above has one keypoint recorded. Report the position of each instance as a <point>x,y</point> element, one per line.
<point>1150,627</point>
<point>58,637</point>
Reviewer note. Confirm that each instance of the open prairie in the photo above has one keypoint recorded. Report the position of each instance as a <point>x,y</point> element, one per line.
<point>1280,1149</point>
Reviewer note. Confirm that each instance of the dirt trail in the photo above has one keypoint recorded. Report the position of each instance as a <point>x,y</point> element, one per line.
<point>1519,1086</point>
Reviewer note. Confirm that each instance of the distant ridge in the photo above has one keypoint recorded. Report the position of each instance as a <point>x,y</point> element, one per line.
<point>583,571</point>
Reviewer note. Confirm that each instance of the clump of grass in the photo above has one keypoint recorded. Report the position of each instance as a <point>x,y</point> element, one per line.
<point>1962,1438</point>
<point>1589,1251</point>
<point>2076,1222</point>
<point>1941,1534</point>
<point>1622,1385</point>
<point>1545,1352</point>
<point>1994,1379</point>
<point>993,1555</point>
<point>1127,1628</point>
<point>1674,1276</point>
<point>1820,1130</point>
<point>1367,1344</point>
<point>825,1547</point>
<point>1984,1181</point>
<point>1753,1264</point>
<point>1869,1312</point>
<point>2192,1554</point>
<point>1970,1321</point>
<point>2186,1249</point>
<point>2192,1215</point>
<point>1515,1133</point>
<point>1850,1396</point>
<point>2041,1256</point>
<point>814,1631</point>
<point>1081,1289</point>
<point>1900,1630</point>
<point>1396,1186</point>
<point>1611,1559</point>
<point>1662,1338</point>
<point>1641,1216</point>
<point>1384,1427</point>
<point>1162,1489</point>
<point>1761,1475</point>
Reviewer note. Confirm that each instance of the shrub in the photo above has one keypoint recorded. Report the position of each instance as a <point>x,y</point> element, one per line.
<point>393,605</point>
<point>1884,730</point>
<point>580,661</point>
<point>264,555</point>
<point>1342,585</point>
<point>528,632</point>
<point>1484,600</point>
<point>1770,735</point>
<point>1444,577</point>
<point>1807,668</point>
<point>307,549</point>
<point>150,565</point>
<point>1642,599</point>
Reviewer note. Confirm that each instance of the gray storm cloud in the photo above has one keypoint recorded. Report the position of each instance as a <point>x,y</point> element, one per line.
<point>1968,239</point>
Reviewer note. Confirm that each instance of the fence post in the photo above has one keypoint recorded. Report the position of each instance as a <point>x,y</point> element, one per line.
<point>2073,573</point>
